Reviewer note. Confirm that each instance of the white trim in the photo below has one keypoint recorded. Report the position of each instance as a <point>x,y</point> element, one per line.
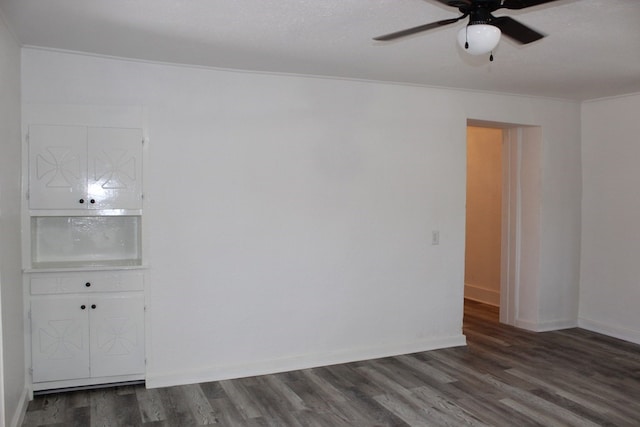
<point>619,332</point>
<point>526,324</point>
<point>482,294</point>
<point>21,409</point>
<point>553,325</point>
<point>290,74</point>
<point>217,373</point>
<point>512,276</point>
<point>4,21</point>
<point>510,250</point>
<point>606,98</point>
<point>81,382</point>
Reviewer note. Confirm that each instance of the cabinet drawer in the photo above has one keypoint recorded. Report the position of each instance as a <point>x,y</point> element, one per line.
<point>65,283</point>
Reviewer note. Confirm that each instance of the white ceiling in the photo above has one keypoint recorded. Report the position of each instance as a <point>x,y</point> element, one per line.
<point>592,49</point>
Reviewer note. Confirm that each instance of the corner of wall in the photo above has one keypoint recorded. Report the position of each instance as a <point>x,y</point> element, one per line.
<point>615,331</point>
<point>18,417</point>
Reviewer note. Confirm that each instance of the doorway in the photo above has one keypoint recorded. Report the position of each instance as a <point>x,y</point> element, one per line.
<point>503,204</point>
<point>483,237</point>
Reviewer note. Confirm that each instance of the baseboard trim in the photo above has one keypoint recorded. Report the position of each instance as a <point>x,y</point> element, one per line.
<point>553,325</point>
<point>21,410</point>
<point>619,332</point>
<point>218,373</point>
<point>481,294</point>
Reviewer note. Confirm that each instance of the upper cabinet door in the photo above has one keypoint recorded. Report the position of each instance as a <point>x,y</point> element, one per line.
<point>75,167</point>
<point>57,167</point>
<point>115,168</point>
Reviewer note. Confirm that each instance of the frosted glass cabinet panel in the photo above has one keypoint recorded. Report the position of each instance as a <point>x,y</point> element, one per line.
<point>85,241</point>
<point>77,167</point>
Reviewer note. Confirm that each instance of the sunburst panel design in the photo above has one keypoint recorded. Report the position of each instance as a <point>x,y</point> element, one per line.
<point>116,168</point>
<point>60,166</point>
<point>118,336</point>
<point>61,339</point>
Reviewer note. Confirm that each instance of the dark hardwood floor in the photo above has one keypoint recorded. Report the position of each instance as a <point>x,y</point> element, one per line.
<point>504,377</point>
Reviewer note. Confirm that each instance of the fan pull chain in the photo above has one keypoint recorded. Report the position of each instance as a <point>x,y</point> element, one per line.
<point>466,37</point>
<point>491,57</point>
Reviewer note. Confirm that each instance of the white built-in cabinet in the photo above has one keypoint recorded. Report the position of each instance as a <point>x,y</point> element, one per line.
<point>87,325</point>
<point>83,256</point>
<point>78,167</point>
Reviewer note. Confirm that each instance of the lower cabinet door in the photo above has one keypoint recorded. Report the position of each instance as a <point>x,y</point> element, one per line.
<point>60,338</point>
<point>117,334</point>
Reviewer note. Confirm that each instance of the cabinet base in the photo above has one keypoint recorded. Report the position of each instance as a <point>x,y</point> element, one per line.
<point>86,383</point>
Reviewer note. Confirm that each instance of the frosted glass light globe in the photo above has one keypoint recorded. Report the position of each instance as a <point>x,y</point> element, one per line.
<point>482,38</point>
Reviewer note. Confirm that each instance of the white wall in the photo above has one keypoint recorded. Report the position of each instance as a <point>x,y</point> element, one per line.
<point>291,217</point>
<point>12,368</point>
<point>610,271</point>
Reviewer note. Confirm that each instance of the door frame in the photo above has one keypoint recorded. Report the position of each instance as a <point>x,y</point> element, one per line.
<point>520,230</point>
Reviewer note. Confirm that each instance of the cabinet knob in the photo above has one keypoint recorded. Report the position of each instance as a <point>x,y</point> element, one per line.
<point>82,307</point>
<point>92,201</point>
<point>81,201</point>
<point>93,306</point>
<point>88,284</point>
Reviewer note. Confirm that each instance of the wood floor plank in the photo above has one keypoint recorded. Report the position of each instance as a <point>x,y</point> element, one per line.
<point>403,402</point>
<point>504,377</point>
<point>337,399</point>
<point>104,410</point>
<point>323,386</point>
<point>127,412</point>
<point>241,398</point>
<point>376,413</point>
<point>78,399</point>
<point>540,418</point>
<point>272,406</point>
<point>594,406</point>
<point>292,400</point>
<point>150,405</point>
<point>447,409</point>
<point>364,409</point>
<point>213,390</point>
<point>175,407</point>
<point>353,379</point>
<point>404,376</point>
<point>228,415</point>
<point>49,410</point>
<point>426,369</point>
<point>199,405</point>
<point>313,399</point>
<point>542,405</point>
<point>402,410</point>
<point>492,412</point>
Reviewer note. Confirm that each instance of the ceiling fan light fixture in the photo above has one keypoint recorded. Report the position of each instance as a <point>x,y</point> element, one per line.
<point>479,39</point>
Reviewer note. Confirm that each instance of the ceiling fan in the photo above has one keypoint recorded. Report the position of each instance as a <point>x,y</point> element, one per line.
<point>482,33</point>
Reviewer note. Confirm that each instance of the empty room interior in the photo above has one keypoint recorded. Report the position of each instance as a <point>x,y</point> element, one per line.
<point>300,213</point>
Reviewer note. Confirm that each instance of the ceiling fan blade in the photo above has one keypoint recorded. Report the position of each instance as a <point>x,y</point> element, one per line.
<point>521,4</point>
<point>516,30</point>
<point>456,3</point>
<point>418,29</point>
